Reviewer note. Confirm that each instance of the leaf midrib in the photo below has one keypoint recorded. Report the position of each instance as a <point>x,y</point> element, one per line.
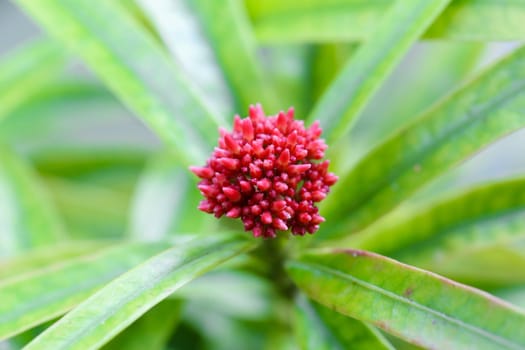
<point>411,303</point>
<point>483,113</point>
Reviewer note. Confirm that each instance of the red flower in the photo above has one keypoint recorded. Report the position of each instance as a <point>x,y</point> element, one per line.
<point>266,173</point>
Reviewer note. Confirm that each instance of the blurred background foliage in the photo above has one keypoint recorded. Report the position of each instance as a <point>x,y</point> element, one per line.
<point>66,140</point>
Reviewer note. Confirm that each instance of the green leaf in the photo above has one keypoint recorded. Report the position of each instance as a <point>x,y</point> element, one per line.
<point>290,70</point>
<point>360,78</point>
<point>181,31</point>
<point>488,267</point>
<point>165,201</point>
<point>90,211</point>
<point>427,74</point>
<point>39,258</point>
<point>25,71</point>
<point>242,295</point>
<point>57,103</point>
<point>81,162</point>
<point>152,331</point>
<point>119,303</point>
<point>227,26</point>
<point>135,67</point>
<point>318,327</point>
<point>35,296</point>
<point>477,217</point>
<point>28,218</point>
<point>485,109</point>
<point>415,305</point>
<point>306,21</point>
<point>327,61</point>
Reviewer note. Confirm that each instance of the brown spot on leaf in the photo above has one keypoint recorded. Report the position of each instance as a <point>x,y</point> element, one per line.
<point>408,292</point>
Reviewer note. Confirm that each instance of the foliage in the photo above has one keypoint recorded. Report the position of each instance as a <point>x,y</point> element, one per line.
<point>101,244</point>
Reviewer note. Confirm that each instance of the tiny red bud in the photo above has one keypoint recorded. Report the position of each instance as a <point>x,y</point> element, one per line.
<point>264,185</point>
<point>318,196</point>
<point>232,194</point>
<point>317,219</point>
<point>257,231</point>
<point>298,169</point>
<point>229,163</point>
<point>208,190</point>
<point>266,218</point>
<point>284,158</point>
<point>234,212</point>
<point>282,122</point>
<point>231,144</point>
<point>256,210</point>
<point>206,206</point>
<point>255,171</point>
<point>330,179</point>
<point>278,205</point>
<point>245,186</point>
<point>281,187</point>
<point>202,172</point>
<point>305,218</point>
<point>247,129</point>
<point>279,224</point>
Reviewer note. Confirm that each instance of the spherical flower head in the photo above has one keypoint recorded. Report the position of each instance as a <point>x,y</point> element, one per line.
<point>269,173</point>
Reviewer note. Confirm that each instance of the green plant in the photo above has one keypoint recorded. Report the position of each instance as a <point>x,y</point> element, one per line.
<point>104,246</point>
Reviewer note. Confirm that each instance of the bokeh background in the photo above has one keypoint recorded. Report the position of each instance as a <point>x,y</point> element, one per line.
<point>101,126</point>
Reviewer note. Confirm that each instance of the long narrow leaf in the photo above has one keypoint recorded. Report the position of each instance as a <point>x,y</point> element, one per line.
<point>470,218</point>
<point>300,21</point>
<point>165,202</point>
<point>491,266</point>
<point>151,331</point>
<point>415,305</point>
<point>27,216</point>
<point>430,72</point>
<point>36,296</point>
<point>180,29</point>
<point>46,256</point>
<point>227,26</point>
<point>342,103</point>
<point>25,71</point>
<point>318,327</point>
<point>129,60</point>
<point>118,304</point>
<point>479,113</point>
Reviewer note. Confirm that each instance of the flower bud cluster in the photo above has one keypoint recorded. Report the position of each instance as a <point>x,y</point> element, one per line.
<point>267,172</point>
